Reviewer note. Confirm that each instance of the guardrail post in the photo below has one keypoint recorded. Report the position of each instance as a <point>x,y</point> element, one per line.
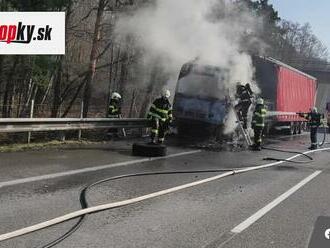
<point>31,116</point>
<point>81,116</point>
<point>62,136</point>
<point>62,133</point>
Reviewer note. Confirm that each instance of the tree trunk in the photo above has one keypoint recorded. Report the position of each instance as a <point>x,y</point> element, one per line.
<point>131,109</point>
<point>3,5</point>
<point>47,90</point>
<point>110,78</point>
<point>93,57</point>
<point>150,90</point>
<point>58,77</point>
<point>11,100</point>
<point>124,73</point>
<point>67,110</point>
<point>57,89</point>
<point>6,109</point>
<point>1,72</point>
<point>32,88</point>
<point>115,85</point>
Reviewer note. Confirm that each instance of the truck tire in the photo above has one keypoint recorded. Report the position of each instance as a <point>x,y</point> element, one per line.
<point>300,127</point>
<point>292,129</point>
<point>295,128</point>
<point>149,150</point>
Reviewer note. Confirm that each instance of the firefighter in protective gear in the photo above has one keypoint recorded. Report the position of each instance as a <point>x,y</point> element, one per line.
<point>258,123</point>
<point>160,114</point>
<point>114,110</point>
<point>244,95</point>
<point>314,121</point>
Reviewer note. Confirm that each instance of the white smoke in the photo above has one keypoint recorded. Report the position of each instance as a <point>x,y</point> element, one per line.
<point>181,30</point>
<point>231,122</point>
<point>177,31</point>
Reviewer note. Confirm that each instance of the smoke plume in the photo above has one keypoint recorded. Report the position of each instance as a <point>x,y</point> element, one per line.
<point>178,31</point>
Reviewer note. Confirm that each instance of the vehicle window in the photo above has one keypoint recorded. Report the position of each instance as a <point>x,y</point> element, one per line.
<point>201,86</point>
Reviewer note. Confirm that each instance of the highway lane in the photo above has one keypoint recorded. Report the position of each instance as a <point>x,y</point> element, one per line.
<point>197,217</point>
<point>291,223</point>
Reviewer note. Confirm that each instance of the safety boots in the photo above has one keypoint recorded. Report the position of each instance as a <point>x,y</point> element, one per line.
<point>312,147</point>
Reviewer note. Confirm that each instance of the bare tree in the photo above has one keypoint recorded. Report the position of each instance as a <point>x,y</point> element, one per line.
<point>93,57</point>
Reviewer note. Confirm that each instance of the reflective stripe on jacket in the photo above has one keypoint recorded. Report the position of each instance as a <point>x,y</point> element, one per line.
<point>314,119</point>
<point>258,119</point>
<point>114,107</point>
<point>161,109</point>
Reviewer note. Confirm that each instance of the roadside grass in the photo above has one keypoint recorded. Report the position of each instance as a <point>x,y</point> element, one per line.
<point>46,145</point>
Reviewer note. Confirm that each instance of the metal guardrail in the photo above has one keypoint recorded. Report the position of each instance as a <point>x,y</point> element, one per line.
<point>13,125</point>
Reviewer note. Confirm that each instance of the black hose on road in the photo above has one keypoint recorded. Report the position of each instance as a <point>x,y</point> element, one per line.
<point>295,152</point>
<point>324,136</point>
<point>84,191</point>
<point>310,159</point>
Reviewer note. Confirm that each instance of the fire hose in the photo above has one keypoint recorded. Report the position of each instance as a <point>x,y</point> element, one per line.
<point>310,159</point>
<point>84,203</point>
<point>86,209</point>
<point>324,135</point>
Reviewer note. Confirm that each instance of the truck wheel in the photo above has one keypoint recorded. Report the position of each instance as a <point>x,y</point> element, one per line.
<point>299,127</point>
<point>290,130</point>
<point>185,131</point>
<point>149,150</point>
<point>218,133</point>
<point>295,128</point>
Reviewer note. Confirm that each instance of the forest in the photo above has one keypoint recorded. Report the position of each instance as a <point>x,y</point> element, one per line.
<point>100,58</point>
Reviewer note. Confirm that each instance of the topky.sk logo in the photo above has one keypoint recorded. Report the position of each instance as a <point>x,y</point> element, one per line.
<point>21,33</point>
<point>32,33</point>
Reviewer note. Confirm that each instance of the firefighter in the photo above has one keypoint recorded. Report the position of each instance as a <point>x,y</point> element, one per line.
<point>160,114</point>
<point>328,116</point>
<point>258,123</point>
<point>244,95</point>
<point>114,111</point>
<point>314,121</point>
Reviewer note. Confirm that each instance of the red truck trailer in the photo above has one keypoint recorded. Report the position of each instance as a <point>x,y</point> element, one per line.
<point>286,91</point>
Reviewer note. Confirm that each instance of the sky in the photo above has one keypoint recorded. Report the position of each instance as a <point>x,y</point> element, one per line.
<point>315,12</point>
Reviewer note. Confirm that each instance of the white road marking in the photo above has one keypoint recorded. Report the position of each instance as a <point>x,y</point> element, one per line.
<point>90,169</point>
<point>103,207</point>
<point>255,217</point>
<point>107,206</point>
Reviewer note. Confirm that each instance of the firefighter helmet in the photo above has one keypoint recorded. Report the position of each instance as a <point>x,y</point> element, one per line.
<point>260,101</point>
<point>166,93</point>
<point>115,95</point>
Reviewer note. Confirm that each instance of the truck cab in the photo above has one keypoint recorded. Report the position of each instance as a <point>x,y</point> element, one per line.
<point>201,98</point>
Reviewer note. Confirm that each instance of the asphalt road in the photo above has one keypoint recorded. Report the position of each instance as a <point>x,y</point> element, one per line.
<point>39,185</point>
